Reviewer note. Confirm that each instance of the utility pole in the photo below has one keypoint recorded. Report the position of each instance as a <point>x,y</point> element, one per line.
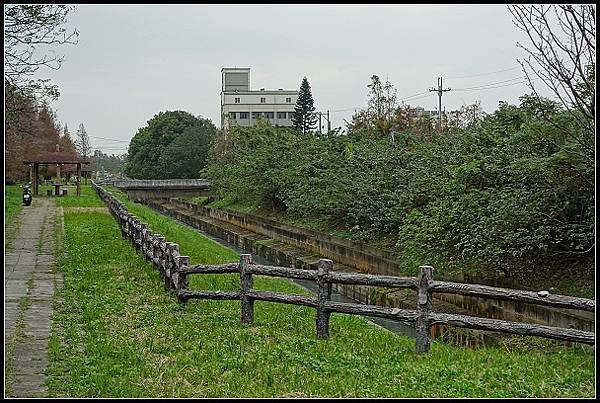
<point>321,122</point>
<point>440,91</point>
<point>320,115</point>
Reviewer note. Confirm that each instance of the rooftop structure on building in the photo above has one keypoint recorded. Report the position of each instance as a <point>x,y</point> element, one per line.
<point>242,106</point>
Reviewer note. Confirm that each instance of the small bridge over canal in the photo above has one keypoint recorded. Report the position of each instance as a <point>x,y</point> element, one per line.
<point>144,189</point>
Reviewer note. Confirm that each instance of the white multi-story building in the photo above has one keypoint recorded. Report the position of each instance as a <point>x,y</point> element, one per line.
<point>242,106</point>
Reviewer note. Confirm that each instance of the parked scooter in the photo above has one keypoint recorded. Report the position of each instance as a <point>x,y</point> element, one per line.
<point>27,194</point>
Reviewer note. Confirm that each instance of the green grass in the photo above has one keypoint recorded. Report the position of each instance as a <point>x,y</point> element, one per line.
<point>13,202</point>
<point>200,249</point>
<point>201,200</point>
<point>120,334</point>
<point>88,197</point>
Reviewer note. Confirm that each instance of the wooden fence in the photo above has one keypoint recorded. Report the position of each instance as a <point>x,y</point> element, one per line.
<point>175,270</point>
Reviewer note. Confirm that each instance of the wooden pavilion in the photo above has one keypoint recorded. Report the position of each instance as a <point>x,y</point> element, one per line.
<point>51,158</point>
<point>71,170</point>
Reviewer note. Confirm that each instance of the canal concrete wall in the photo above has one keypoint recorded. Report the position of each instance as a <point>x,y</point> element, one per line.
<point>363,257</point>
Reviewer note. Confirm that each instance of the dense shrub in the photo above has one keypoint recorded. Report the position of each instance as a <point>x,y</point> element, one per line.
<point>504,195</point>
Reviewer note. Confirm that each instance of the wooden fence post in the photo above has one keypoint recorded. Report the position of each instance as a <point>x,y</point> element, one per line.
<point>424,304</point>
<point>156,250</point>
<point>160,253</point>
<point>180,278</point>
<point>123,222</point>
<point>325,265</point>
<point>138,235</point>
<point>144,239</point>
<point>173,266</point>
<point>167,265</point>
<point>134,231</point>
<point>126,223</point>
<point>246,283</point>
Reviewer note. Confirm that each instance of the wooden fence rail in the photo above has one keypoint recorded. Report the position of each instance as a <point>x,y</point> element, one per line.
<point>175,270</point>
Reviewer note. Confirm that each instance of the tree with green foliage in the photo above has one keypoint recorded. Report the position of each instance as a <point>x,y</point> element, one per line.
<point>304,119</point>
<point>174,144</point>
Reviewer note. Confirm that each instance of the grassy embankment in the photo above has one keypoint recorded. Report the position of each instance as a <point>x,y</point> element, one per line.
<point>120,334</point>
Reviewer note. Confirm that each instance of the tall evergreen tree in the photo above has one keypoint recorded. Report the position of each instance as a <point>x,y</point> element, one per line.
<point>304,118</point>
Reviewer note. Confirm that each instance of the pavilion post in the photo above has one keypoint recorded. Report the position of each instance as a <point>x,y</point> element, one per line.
<point>31,174</point>
<point>78,179</point>
<point>36,168</point>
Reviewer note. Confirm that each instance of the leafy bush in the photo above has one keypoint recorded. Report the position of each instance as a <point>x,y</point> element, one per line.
<point>502,196</point>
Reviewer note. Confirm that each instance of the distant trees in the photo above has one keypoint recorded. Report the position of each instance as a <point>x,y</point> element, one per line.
<point>384,118</point>
<point>174,144</point>
<point>111,163</point>
<point>83,143</point>
<point>304,119</point>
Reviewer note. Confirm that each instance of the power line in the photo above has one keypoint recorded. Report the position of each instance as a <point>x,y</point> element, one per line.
<point>490,88</point>
<point>485,74</point>
<point>104,138</point>
<point>344,110</point>
<point>489,84</point>
<point>422,97</point>
<point>414,95</point>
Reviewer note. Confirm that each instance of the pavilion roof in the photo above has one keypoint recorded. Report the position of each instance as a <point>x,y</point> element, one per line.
<point>73,168</point>
<point>56,157</point>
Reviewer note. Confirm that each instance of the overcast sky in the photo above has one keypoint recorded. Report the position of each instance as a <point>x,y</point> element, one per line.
<point>133,61</point>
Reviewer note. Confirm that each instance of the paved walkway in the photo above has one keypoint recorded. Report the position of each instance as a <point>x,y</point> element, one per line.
<point>29,284</point>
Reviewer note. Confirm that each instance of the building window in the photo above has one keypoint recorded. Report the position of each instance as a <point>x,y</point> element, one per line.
<point>263,100</point>
<point>256,115</point>
<point>281,115</point>
<point>290,115</point>
<point>270,115</point>
<point>231,115</point>
<point>237,100</point>
<point>243,115</point>
<point>288,100</point>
